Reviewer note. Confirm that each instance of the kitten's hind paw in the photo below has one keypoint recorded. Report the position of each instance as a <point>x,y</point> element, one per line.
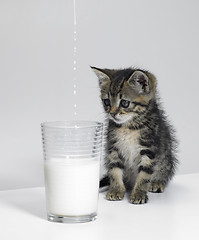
<point>156,187</point>
<point>138,198</point>
<point>114,195</point>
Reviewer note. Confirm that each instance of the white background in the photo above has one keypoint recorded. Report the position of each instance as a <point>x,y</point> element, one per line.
<point>36,70</point>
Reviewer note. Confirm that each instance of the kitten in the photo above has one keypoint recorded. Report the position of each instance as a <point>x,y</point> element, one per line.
<point>140,151</point>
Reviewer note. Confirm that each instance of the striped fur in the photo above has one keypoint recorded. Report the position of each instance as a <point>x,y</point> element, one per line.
<point>140,141</point>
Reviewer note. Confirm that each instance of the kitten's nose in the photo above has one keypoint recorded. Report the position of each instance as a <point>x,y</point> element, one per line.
<point>113,114</point>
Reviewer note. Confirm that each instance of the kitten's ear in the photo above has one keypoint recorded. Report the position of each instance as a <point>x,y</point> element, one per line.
<point>102,76</point>
<point>140,81</point>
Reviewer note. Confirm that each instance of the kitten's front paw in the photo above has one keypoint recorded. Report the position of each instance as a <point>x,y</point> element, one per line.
<point>138,198</point>
<point>114,195</point>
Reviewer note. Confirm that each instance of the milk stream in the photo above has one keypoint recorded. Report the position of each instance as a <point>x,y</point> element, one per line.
<point>74,59</point>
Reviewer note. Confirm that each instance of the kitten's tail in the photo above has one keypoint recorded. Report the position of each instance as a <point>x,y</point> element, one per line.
<point>105,181</point>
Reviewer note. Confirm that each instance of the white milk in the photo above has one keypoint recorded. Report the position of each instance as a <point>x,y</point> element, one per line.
<point>72,186</point>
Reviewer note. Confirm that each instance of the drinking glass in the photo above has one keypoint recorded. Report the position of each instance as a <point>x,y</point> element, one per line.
<point>72,152</point>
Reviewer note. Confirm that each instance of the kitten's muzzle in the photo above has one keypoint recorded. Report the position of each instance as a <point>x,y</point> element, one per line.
<point>113,114</point>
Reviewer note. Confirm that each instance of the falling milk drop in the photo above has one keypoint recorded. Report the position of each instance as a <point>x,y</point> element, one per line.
<point>75,92</point>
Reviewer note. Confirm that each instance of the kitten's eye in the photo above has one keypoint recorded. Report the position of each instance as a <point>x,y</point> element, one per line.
<point>107,102</point>
<point>124,103</point>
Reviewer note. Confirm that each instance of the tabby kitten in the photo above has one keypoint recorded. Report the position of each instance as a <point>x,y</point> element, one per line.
<point>140,144</point>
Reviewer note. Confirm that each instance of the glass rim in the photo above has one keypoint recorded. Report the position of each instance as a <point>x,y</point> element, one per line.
<point>77,124</point>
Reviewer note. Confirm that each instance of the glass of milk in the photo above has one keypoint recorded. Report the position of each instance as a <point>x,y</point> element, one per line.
<point>72,152</point>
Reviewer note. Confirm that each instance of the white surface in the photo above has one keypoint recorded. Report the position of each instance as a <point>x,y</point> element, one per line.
<point>172,215</point>
<point>36,70</point>
<point>68,181</point>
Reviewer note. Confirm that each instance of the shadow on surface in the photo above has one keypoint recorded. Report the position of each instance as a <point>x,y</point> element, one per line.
<point>29,200</point>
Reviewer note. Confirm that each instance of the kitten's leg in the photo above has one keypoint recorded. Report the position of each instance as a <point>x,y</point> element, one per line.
<point>116,167</point>
<point>117,188</point>
<point>163,174</point>
<point>139,193</point>
<point>145,171</point>
<point>156,187</point>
